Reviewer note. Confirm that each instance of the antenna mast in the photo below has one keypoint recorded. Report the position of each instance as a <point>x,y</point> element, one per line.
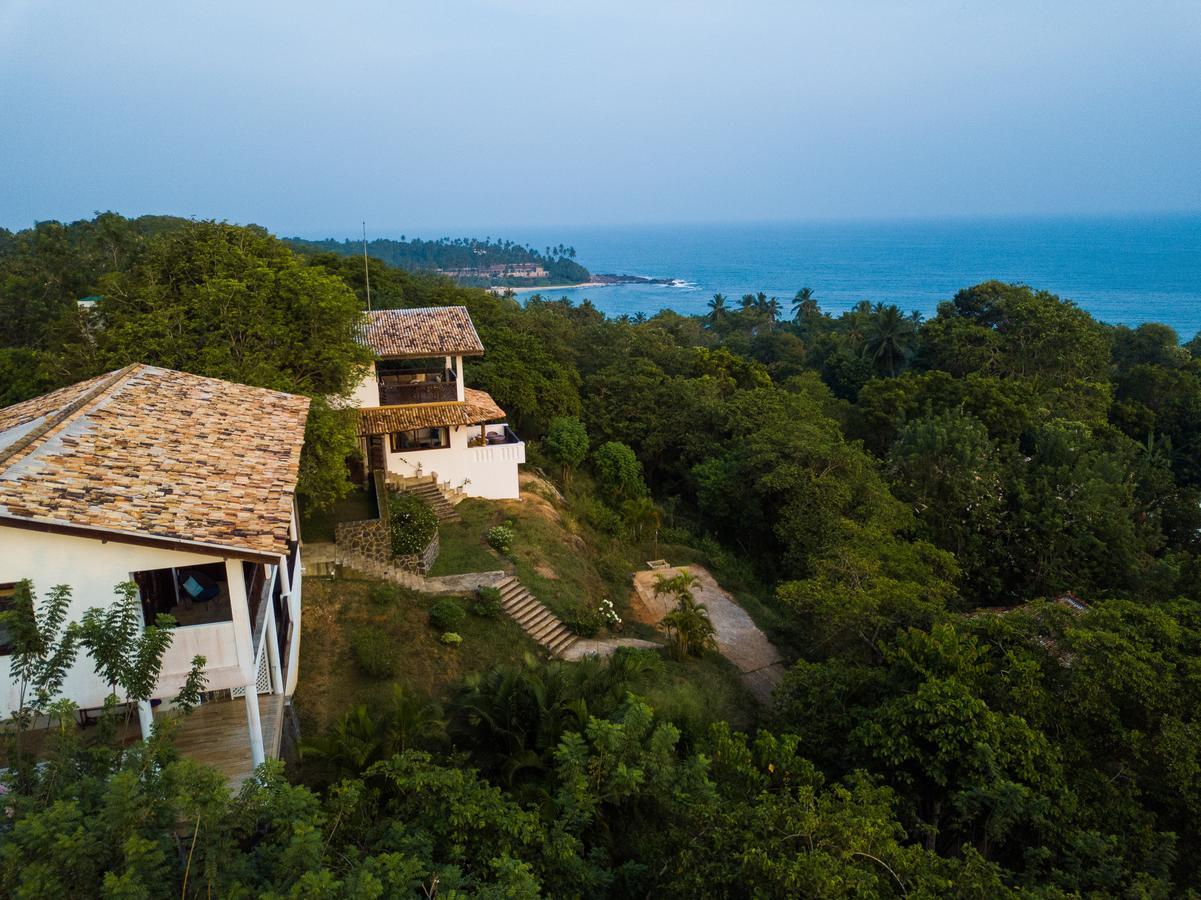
<point>366,271</point>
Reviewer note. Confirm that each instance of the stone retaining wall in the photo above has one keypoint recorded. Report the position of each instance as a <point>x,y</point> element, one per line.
<point>369,539</point>
<point>443,584</point>
<point>419,562</point>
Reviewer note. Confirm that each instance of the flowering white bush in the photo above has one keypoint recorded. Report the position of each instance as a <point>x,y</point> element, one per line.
<point>608,614</point>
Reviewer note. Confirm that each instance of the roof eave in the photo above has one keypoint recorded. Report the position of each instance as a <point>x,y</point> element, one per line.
<point>430,355</point>
<point>140,539</point>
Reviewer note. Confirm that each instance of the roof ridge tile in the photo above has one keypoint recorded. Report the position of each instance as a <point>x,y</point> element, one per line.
<point>27,441</point>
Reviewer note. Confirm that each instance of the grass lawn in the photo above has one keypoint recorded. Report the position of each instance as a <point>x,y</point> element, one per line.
<point>565,563</point>
<point>318,525</point>
<point>550,557</point>
<point>462,547</point>
<point>330,681</point>
<point>569,566</point>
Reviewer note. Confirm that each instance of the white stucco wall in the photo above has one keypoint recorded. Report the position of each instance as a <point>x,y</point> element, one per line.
<point>93,568</point>
<point>489,472</point>
<point>366,394</point>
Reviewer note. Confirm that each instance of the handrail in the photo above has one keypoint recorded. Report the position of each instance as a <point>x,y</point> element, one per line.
<point>260,623</point>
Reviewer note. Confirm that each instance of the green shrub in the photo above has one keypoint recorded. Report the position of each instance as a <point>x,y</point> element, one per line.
<point>584,622</point>
<point>383,595</point>
<point>487,603</point>
<point>413,524</point>
<point>451,639</point>
<point>374,653</point>
<point>501,538</point>
<point>601,517</point>
<point>447,615</point>
<point>669,534</point>
<point>566,442</point>
<point>618,471</point>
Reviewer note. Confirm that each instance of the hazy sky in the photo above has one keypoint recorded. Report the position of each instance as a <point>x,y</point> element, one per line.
<point>308,117</point>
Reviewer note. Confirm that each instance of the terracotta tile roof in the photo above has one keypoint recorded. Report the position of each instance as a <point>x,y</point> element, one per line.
<point>153,453</point>
<point>428,331</point>
<point>477,407</point>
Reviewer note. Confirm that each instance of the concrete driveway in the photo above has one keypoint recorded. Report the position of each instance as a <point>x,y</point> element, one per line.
<point>739,639</point>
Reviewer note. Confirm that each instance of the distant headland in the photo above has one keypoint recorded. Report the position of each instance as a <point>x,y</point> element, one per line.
<point>495,264</point>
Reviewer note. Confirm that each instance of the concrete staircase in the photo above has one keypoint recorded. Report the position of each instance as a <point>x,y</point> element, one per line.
<point>428,490</point>
<point>354,565</point>
<point>535,619</point>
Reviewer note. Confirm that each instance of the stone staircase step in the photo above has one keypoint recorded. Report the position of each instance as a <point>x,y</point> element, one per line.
<point>559,645</point>
<point>537,621</point>
<point>512,592</point>
<point>534,618</point>
<point>428,490</point>
<point>520,611</point>
<point>542,630</point>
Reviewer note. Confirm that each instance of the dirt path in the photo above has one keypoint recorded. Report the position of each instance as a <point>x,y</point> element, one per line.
<point>739,639</point>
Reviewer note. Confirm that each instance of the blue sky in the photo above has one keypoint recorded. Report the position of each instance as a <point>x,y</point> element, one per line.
<point>308,118</point>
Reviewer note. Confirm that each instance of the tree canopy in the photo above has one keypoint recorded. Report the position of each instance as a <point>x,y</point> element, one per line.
<point>974,538</point>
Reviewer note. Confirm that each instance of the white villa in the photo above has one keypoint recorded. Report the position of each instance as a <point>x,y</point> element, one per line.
<point>416,417</point>
<point>185,486</point>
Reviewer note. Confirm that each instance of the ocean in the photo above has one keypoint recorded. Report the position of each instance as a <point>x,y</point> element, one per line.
<point>1124,270</point>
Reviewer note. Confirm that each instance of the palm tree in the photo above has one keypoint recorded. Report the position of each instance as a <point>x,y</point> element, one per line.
<point>639,318</point>
<point>889,337</point>
<point>514,716</point>
<point>717,309</point>
<point>804,306</point>
<point>363,736</point>
<point>688,626</point>
<point>773,309</point>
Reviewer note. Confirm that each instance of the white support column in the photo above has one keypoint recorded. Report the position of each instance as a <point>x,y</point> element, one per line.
<point>145,718</point>
<point>294,600</point>
<point>244,638</point>
<point>285,583</point>
<point>459,378</point>
<point>272,639</point>
<point>254,725</point>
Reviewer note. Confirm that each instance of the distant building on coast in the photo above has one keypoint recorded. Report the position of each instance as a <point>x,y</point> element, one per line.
<point>530,271</point>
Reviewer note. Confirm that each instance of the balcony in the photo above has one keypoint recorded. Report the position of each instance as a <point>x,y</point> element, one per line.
<point>497,443</point>
<point>401,387</point>
<point>419,392</point>
<point>491,435</point>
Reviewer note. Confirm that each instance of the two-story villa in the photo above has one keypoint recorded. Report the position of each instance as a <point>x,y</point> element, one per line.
<point>417,418</point>
<point>185,486</point>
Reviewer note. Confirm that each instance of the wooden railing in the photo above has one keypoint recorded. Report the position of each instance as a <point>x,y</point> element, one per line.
<point>426,392</point>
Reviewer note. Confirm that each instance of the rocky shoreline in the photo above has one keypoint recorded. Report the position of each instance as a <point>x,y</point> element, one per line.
<point>631,279</point>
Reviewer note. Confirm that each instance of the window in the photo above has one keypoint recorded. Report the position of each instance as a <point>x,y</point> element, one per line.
<point>7,591</point>
<point>420,439</point>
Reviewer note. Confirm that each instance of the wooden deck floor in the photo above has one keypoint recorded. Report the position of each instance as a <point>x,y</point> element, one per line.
<point>216,734</point>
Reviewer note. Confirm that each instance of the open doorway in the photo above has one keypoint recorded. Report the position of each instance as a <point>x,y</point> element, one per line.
<point>195,595</point>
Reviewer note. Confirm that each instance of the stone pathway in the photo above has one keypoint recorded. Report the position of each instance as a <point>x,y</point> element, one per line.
<point>739,639</point>
<point>592,647</point>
